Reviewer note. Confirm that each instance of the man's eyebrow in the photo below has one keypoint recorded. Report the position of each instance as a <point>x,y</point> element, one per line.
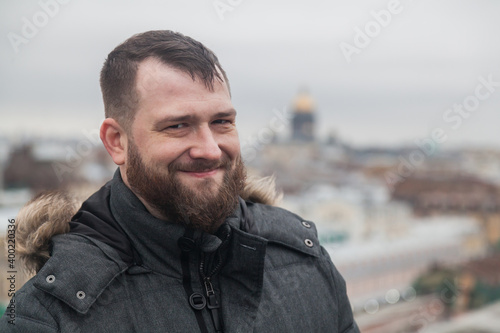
<point>176,119</point>
<point>228,113</point>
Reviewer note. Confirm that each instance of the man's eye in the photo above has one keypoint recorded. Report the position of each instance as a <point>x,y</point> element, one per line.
<point>222,121</point>
<point>177,126</point>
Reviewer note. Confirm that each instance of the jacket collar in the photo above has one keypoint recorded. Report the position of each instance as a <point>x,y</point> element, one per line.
<point>155,241</point>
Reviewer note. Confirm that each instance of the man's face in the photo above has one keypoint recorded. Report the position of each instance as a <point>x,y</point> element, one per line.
<point>183,154</point>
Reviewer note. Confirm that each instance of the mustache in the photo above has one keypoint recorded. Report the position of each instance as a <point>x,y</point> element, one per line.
<point>200,165</point>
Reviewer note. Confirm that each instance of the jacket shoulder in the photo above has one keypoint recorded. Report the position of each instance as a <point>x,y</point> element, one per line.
<point>28,311</point>
<point>73,278</point>
<point>78,271</point>
<point>283,227</point>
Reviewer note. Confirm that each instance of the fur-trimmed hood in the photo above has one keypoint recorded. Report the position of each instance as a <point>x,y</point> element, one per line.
<point>49,214</point>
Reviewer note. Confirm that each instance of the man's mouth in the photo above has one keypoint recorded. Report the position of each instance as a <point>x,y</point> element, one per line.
<point>202,173</point>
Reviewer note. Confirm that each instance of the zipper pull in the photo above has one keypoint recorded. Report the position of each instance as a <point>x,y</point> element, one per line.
<point>213,305</point>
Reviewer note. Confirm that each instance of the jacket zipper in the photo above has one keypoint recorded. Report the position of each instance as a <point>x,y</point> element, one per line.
<point>213,302</point>
<point>215,261</point>
<point>213,305</point>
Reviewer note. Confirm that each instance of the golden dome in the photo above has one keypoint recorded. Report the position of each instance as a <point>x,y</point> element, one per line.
<point>303,103</point>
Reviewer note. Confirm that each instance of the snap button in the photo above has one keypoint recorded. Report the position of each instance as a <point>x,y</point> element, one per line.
<point>197,301</point>
<point>186,244</point>
<point>308,242</point>
<point>51,278</point>
<point>80,295</point>
<point>306,224</point>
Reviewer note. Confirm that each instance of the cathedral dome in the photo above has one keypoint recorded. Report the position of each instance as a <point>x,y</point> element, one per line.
<point>303,103</point>
<point>303,117</point>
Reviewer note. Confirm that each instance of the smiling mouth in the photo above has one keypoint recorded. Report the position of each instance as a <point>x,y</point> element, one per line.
<point>202,174</point>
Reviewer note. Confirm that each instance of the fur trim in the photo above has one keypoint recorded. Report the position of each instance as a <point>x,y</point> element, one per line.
<point>37,222</point>
<point>261,190</point>
<point>48,215</point>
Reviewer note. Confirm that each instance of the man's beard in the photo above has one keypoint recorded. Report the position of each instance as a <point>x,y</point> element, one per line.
<point>198,208</point>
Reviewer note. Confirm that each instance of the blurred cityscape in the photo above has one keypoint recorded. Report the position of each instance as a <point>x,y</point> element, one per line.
<point>414,230</point>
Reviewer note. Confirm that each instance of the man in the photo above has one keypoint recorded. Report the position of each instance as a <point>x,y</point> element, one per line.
<point>169,245</point>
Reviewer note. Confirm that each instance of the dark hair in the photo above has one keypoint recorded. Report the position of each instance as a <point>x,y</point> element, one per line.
<point>118,74</point>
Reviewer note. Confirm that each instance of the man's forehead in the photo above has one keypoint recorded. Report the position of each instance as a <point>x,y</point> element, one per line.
<point>152,72</point>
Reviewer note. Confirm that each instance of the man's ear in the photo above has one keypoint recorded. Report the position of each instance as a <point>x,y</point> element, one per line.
<point>114,138</point>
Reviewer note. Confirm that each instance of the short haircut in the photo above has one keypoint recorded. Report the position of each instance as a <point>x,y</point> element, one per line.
<point>118,74</point>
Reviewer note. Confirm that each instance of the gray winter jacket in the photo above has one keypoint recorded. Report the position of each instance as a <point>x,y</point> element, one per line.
<point>122,270</point>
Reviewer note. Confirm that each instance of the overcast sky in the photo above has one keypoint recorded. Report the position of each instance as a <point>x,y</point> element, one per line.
<point>419,62</point>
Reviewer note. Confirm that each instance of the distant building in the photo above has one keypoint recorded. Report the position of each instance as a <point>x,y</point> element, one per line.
<point>303,118</point>
<point>24,170</point>
<point>448,193</point>
<point>452,194</point>
<point>50,164</point>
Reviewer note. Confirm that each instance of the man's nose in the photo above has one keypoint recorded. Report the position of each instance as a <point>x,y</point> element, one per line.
<point>205,145</point>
